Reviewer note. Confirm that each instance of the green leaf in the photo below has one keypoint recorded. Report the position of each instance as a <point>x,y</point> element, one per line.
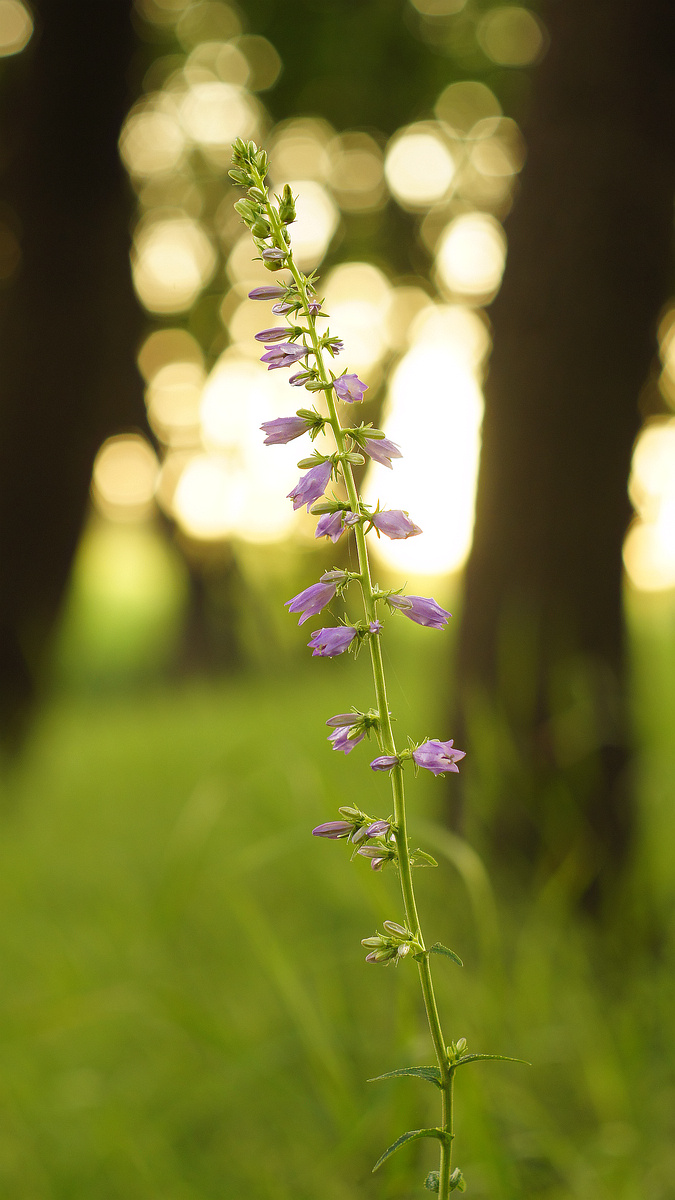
<point>500,1057</point>
<point>457,1181</point>
<point>432,1074</point>
<point>439,948</point>
<point>412,1136</point>
<point>432,1181</point>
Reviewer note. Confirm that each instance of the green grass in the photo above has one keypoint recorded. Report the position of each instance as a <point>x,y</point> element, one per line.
<point>186,1013</point>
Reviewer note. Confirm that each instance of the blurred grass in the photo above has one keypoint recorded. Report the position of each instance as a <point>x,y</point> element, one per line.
<point>185,1009</point>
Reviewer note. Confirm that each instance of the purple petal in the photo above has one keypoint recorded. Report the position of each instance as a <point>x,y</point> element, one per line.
<point>330,525</point>
<point>381,450</point>
<point>385,762</point>
<point>378,829</point>
<point>438,757</point>
<point>283,355</point>
<point>328,643</point>
<point>311,486</point>
<point>349,388</point>
<point>333,829</point>
<point>395,524</point>
<point>283,430</point>
<point>276,334</point>
<point>423,610</point>
<point>267,292</point>
<point>311,601</point>
<point>341,739</point>
<point>343,719</point>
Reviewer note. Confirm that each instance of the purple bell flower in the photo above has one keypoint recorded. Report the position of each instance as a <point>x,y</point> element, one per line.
<point>269,291</point>
<point>349,388</point>
<point>314,307</point>
<point>312,600</point>
<point>385,762</point>
<point>378,829</point>
<point>381,450</point>
<point>276,334</point>
<point>282,308</point>
<point>273,254</point>
<point>396,524</point>
<point>438,757</point>
<point>283,355</point>
<point>311,486</point>
<point>283,430</point>
<point>299,379</point>
<point>328,643</point>
<point>422,610</point>
<point>375,627</point>
<point>342,741</point>
<point>333,829</point>
<point>330,525</point>
<point>343,719</point>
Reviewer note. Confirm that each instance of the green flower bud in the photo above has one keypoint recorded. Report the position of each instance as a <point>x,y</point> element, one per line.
<point>238,176</point>
<point>260,228</point>
<point>287,206</point>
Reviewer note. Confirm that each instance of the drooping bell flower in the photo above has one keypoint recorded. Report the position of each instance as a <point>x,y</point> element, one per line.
<point>438,757</point>
<point>423,610</point>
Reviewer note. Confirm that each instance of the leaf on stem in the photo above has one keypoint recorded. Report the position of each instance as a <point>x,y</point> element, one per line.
<point>412,1136</point>
<point>439,948</point>
<point>432,1074</point>
<point>499,1057</point>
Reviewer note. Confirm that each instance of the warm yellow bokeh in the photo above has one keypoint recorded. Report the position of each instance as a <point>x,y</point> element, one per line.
<point>124,477</point>
<point>16,27</point>
<point>172,260</point>
<point>419,167</point>
<point>470,256</point>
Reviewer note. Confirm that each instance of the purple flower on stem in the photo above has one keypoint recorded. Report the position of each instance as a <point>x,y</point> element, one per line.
<point>273,254</point>
<point>438,757</point>
<point>333,829</point>
<point>328,643</point>
<point>276,334</point>
<point>381,450</point>
<point>343,719</point>
<point>349,388</point>
<point>377,854</point>
<point>330,525</point>
<point>311,601</point>
<point>311,486</point>
<point>314,307</point>
<point>283,355</point>
<point>282,308</point>
<point>385,762</point>
<point>421,609</point>
<point>283,430</point>
<point>299,379</point>
<point>269,291</point>
<point>342,740</point>
<point>395,523</point>
<point>375,627</point>
<point>378,829</point>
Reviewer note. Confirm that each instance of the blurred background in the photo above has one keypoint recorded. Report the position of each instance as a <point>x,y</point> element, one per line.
<point>487,191</point>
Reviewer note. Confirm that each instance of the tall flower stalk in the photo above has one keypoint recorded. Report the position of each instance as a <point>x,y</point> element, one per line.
<point>383,841</point>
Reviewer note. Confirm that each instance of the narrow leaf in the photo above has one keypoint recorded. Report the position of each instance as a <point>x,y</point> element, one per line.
<point>501,1057</point>
<point>439,948</point>
<point>431,1073</point>
<point>411,1136</point>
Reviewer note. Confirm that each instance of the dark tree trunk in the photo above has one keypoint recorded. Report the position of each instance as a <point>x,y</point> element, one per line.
<point>589,266</point>
<point>69,322</point>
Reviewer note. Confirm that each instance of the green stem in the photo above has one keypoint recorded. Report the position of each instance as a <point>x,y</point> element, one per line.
<point>386,731</point>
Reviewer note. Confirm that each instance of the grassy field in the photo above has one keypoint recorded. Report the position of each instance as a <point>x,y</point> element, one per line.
<point>186,1013</point>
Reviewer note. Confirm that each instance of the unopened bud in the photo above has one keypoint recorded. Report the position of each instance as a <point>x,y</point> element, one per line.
<point>394,927</point>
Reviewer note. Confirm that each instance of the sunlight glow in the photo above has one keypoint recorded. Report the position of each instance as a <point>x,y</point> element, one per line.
<point>151,142</point>
<point>317,220</point>
<point>470,255</point>
<point>299,150</point>
<point>172,261</point>
<point>244,481</point>
<point>419,167</point>
<point>511,36</point>
<point>173,398</point>
<point>124,477</point>
<point>358,297</point>
<point>356,173</point>
<point>649,548</point>
<point>215,113</point>
<point>16,27</point>
<point>434,411</point>
<point>462,105</point>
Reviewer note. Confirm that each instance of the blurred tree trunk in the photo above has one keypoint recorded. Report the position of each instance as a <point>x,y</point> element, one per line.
<point>69,322</point>
<point>589,266</point>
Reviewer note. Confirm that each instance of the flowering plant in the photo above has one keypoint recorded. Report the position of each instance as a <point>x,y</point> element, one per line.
<point>382,841</point>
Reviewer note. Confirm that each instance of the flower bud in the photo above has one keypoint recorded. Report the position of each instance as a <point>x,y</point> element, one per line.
<point>384,955</point>
<point>287,206</point>
<point>394,927</point>
<point>260,228</point>
<point>238,176</point>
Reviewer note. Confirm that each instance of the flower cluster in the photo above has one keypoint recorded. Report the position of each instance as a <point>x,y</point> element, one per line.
<point>328,488</point>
